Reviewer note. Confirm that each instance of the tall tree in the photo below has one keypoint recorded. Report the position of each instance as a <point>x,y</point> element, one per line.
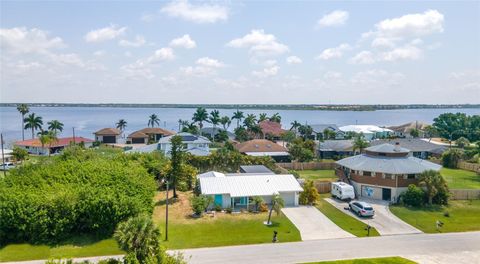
<point>23,109</point>
<point>176,158</point>
<point>276,118</point>
<point>121,124</point>
<point>214,119</point>
<point>359,143</point>
<point>200,116</point>
<point>277,204</point>
<point>433,183</point>
<point>55,126</point>
<point>33,122</point>
<point>47,138</point>
<point>250,121</point>
<point>153,120</point>
<point>295,126</point>
<point>305,131</point>
<point>451,126</point>
<point>262,117</point>
<point>225,121</point>
<point>238,115</point>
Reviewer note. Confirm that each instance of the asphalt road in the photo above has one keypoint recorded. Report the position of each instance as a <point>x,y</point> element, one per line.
<point>425,248</point>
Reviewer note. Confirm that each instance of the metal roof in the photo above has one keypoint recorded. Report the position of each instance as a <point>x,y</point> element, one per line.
<point>255,169</point>
<point>321,127</point>
<point>242,186</point>
<point>365,129</point>
<point>413,144</point>
<point>400,165</point>
<point>336,145</point>
<point>387,148</point>
<point>186,138</point>
<point>259,154</point>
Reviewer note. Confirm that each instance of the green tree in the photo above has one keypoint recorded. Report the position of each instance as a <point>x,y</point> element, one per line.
<point>47,138</point>
<point>328,134</point>
<point>139,237</point>
<point>451,126</point>
<point>241,134</point>
<point>462,142</point>
<point>55,126</point>
<point>288,136</point>
<point>430,132</point>
<point>238,115</point>
<point>214,119</point>
<point>310,194</point>
<point>33,122</point>
<point>414,196</point>
<point>262,117</point>
<point>191,128</point>
<point>276,118</point>
<point>301,150</point>
<point>433,183</point>
<point>177,154</point>
<point>305,131</point>
<point>415,133</point>
<point>359,144</point>
<point>250,121</point>
<point>225,121</point>
<point>200,203</point>
<point>452,157</point>
<point>257,201</point>
<point>19,154</point>
<point>295,126</point>
<point>153,120</point>
<point>23,109</point>
<point>277,204</point>
<point>200,116</point>
<point>122,124</point>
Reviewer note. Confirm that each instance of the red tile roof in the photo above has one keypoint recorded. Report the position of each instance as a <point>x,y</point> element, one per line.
<point>156,130</point>
<point>108,131</point>
<point>61,142</point>
<point>259,145</point>
<point>272,128</point>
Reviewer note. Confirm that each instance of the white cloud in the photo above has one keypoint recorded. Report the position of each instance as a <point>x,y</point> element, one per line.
<point>377,78</point>
<point>185,42</point>
<point>363,57</point>
<point>23,40</point>
<point>104,34</point>
<point>208,62</point>
<point>142,67</point>
<point>334,53</point>
<point>335,18</point>
<point>198,71</point>
<point>412,25</point>
<point>99,53</point>
<point>382,42</point>
<point>260,44</point>
<point>293,60</point>
<point>402,53</point>
<point>163,54</point>
<point>267,72</point>
<point>137,42</point>
<point>204,13</point>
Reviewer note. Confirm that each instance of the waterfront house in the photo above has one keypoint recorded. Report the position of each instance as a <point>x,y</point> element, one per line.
<point>34,146</point>
<point>383,172</point>
<point>403,131</point>
<point>210,132</point>
<point>419,148</point>
<point>148,135</point>
<point>108,135</point>
<point>271,130</point>
<point>319,131</point>
<point>237,191</point>
<point>193,144</point>
<point>369,132</point>
<point>333,149</point>
<point>264,147</point>
<point>7,155</point>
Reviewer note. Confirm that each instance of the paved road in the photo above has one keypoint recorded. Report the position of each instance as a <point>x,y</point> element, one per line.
<point>384,221</point>
<point>462,247</point>
<point>312,224</point>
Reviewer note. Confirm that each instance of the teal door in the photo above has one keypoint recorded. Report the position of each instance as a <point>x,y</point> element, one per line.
<point>218,199</point>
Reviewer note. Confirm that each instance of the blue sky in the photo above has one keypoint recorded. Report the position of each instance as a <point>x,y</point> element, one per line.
<point>240,52</point>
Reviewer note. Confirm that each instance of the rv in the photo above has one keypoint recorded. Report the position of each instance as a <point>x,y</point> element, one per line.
<point>342,191</point>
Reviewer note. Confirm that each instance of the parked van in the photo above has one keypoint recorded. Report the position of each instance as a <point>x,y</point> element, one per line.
<point>342,191</point>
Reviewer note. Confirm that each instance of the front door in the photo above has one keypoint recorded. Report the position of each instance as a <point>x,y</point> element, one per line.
<point>386,194</point>
<point>218,199</point>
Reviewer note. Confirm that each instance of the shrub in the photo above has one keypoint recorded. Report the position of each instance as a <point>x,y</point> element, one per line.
<point>200,203</point>
<point>294,173</point>
<point>228,210</point>
<point>218,208</point>
<point>414,196</point>
<point>310,194</point>
<point>451,158</point>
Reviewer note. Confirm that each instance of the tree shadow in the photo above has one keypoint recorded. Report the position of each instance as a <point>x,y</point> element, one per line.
<point>163,202</point>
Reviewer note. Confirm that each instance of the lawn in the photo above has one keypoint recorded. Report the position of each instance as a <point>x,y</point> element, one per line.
<point>343,220</point>
<point>461,179</point>
<point>390,260</point>
<point>77,247</point>
<point>222,230</point>
<point>325,175</point>
<point>464,216</point>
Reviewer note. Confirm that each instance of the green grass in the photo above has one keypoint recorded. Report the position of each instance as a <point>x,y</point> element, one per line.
<point>76,247</point>
<point>461,179</point>
<point>326,175</point>
<point>389,260</point>
<point>344,221</point>
<point>464,216</point>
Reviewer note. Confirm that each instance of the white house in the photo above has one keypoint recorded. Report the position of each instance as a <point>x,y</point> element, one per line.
<point>369,131</point>
<point>237,191</point>
<point>34,146</point>
<point>194,144</point>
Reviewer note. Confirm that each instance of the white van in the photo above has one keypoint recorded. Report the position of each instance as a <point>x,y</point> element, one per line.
<point>342,191</point>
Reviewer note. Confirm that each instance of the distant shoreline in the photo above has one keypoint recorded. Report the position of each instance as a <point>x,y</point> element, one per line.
<point>313,107</point>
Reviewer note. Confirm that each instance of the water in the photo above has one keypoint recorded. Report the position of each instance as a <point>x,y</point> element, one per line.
<point>87,120</point>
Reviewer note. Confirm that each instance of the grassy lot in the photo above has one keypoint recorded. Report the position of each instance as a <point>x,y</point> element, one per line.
<point>343,220</point>
<point>464,216</point>
<point>461,179</point>
<point>77,247</point>
<point>390,260</point>
<point>221,230</point>
<point>324,175</point>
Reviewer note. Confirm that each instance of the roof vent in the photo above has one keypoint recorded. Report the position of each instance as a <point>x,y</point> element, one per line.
<point>256,145</point>
<point>269,145</point>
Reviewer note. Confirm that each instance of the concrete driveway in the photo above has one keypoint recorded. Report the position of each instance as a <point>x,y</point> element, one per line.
<point>384,221</point>
<point>312,224</point>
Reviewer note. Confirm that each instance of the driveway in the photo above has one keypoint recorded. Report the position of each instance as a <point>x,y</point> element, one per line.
<point>384,221</point>
<point>312,224</point>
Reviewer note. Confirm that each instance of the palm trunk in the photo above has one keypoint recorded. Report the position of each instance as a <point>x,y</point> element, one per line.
<point>33,133</point>
<point>23,127</point>
<point>270,214</point>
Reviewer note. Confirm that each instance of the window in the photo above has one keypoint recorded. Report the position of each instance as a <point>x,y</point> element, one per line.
<point>410,176</point>
<point>388,176</point>
<point>367,173</point>
<point>382,154</point>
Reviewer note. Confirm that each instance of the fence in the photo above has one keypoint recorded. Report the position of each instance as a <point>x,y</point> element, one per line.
<point>465,194</point>
<point>308,165</point>
<point>469,166</point>
<point>323,186</point>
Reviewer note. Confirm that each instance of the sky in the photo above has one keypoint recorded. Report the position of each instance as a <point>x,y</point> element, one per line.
<point>240,52</point>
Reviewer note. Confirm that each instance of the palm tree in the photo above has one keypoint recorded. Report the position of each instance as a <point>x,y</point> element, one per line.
<point>359,143</point>
<point>433,183</point>
<point>238,115</point>
<point>47,138</point>
<point>23,109</point>
<point>225,121</point>
<point>153,120</point>
<point>33,122</point>
<point>182,124</point>
<point>262,117</point>
<point>277,204</point>
<point>250,121</point>
<point>214,119</point>
<point>55,126</point>
<point>276,118</point>
<point>295,126</point>
<point>200,116</point>
<point>139,236</point>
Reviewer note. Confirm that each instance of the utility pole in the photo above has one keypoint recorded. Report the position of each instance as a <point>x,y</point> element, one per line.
<point>3,157</point>
<point>73,131</point>
<point>166,215</point>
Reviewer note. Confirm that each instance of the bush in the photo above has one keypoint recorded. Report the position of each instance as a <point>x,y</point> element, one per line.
<point>228,210</point>
<point>200,203</point>
<point>263,207</point>
<point>218,208</point>
<point>451,158</point>
<point>414,196</point>
<point>309,195</point>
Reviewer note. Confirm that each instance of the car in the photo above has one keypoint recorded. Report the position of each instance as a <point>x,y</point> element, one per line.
<point>361,208</point>
<point>6,166</point>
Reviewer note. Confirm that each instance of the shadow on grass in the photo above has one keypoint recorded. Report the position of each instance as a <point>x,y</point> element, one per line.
<point>171,201</point>
<point>78,240</point>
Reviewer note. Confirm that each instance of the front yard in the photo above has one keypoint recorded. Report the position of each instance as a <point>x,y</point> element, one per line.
<point>461,179</point>
<point>221,230</point>
<point>323,175</point>
<point>463,216</point>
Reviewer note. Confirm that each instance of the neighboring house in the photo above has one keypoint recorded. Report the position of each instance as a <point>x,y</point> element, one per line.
<point>108,135</point>
<point>403,131</point>
<point>330,149</point>
<point>419,148</point>
<point>34,146</point>
<point>7,155</point>
<point>264,147</point>
<point>318,131</point>
<point>237,191</point>
<point>211,132</point>
<point>369,132</point>
<point>271,130</point>
<point>383,172</point>
<point>148,135</point>
<point>258,169</point>
<point>194,144</point>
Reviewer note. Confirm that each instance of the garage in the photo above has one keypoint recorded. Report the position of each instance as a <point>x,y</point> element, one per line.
<point>288,198</point>
<point>109,139</point>
<point>372,192</point>
<point>138,140</point>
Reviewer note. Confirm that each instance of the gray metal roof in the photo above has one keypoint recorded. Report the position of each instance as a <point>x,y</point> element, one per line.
<point>255,169</point>
<point>336,145</point>
<point>186,138</point>
<point>210,130</point>
<point>413,144</point>
<point>321,127</point>
<point>400,165</point>
<point>387,148</point>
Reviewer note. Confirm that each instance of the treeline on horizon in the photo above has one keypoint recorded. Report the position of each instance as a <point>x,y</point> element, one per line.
<point>325,107</point>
